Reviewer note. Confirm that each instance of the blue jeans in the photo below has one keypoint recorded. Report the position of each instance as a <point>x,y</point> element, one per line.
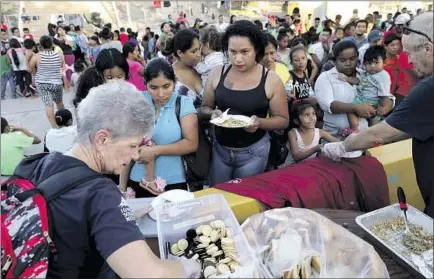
<point>229,163</point>
<point>5,78</point>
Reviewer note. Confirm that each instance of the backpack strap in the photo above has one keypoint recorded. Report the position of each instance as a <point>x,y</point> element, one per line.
<point>55,185</point>
<point>178,109</point>
<point>66,180</point>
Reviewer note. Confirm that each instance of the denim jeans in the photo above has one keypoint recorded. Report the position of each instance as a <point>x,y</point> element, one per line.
<point>4,80</point>
<point>229,163</point>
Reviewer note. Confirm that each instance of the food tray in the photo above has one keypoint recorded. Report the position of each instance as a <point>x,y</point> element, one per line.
<point>174,219</point>
<point>394,247</point>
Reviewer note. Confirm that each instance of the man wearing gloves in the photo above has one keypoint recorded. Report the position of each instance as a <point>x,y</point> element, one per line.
<point>413,118</point>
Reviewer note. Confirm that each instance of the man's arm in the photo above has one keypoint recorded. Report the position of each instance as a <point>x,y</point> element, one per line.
<point>381,133</point>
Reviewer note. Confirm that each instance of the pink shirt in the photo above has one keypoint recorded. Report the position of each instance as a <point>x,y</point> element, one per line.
<point>135,77</point>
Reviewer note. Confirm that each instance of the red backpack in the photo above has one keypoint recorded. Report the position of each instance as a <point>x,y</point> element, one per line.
<point>26,246</point>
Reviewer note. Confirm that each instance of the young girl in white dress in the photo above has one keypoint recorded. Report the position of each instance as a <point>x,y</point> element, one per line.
<point>304,139</point>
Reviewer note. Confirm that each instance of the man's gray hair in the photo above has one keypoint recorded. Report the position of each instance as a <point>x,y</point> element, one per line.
<point>422,23</point>
<point>117,107</point>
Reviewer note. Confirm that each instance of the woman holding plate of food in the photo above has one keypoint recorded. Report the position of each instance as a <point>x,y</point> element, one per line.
<point>246,88</point>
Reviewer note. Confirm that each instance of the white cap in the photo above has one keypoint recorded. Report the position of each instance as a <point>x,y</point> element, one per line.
<point>402,18</point>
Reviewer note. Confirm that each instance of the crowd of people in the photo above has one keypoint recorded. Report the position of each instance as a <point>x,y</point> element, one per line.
<point>144,104</point>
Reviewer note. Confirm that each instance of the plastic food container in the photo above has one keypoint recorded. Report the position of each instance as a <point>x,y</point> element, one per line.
<point>174,219</point>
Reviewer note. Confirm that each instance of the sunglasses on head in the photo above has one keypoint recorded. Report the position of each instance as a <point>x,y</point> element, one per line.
<point>407,30</point>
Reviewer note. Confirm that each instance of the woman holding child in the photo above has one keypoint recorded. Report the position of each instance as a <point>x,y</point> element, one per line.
<point>336,96</point>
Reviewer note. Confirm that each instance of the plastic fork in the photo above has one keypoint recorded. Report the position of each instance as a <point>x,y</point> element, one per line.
<point>403,206</point>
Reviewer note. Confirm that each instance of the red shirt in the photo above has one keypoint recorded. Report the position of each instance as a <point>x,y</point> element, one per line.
<point>399,69</point>
<point>124,38</point>
<point>28,36</point>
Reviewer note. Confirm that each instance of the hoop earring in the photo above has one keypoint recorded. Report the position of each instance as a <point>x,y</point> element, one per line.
<point>100,155</point>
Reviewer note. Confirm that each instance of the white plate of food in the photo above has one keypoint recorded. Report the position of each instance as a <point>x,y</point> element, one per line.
<point>232,121</point>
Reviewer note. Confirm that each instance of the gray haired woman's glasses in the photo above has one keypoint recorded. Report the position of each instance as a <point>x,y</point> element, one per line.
<point>408,30</point>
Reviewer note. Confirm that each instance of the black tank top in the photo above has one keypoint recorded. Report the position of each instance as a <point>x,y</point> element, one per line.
<point>244,102</point>
<point>302,87</point>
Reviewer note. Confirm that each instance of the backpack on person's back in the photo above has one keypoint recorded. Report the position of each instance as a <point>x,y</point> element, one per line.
<point>26,246</point>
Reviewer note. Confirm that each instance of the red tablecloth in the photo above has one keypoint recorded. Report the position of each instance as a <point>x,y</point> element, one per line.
<point>356,184</point>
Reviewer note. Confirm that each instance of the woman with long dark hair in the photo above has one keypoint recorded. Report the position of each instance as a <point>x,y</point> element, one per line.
<point>17,57</point>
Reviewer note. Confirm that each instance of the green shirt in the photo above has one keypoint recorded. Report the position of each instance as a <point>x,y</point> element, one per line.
<point>12,151</point>
<point>5,67</point>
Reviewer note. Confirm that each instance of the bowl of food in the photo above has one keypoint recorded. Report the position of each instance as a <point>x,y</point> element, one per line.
<point>232,121</point>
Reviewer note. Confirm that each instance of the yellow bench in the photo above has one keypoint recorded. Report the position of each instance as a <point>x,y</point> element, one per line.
<point>398,164</point>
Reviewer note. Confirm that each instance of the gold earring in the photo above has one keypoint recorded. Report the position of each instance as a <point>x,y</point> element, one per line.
<point>100,155</point>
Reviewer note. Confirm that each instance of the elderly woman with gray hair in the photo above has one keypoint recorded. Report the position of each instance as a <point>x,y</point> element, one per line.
<point>92,223</point>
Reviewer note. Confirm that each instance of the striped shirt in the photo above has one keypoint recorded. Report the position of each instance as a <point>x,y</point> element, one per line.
<point>49,68</point>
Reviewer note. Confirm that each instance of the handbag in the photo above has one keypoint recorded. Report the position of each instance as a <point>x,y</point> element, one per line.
<point>196,164</point>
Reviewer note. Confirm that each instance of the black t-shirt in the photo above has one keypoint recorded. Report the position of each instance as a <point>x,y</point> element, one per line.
<point>90,223</point>
<point>415,116</point>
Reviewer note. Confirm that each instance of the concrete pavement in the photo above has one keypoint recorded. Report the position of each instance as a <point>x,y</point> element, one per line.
<point>30,113</point>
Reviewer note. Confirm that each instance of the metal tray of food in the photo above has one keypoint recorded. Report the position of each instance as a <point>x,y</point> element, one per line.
<point>392,241</point>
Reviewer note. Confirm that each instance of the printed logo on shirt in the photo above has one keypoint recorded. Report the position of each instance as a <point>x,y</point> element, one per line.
<point>302,90</point>
<point>126,211</point>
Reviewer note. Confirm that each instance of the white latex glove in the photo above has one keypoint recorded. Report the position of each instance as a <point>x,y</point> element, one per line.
<point>192,269</point>
<point>334,150</point>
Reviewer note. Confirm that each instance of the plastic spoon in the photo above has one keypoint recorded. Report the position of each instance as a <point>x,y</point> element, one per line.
<point>403,206</point>
<point>221,119</point>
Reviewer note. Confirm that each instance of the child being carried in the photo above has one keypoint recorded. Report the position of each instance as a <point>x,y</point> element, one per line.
<point>373,86</point>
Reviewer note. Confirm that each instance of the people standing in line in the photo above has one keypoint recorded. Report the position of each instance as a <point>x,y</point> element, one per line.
<point>248,88</point>
<point>47,65</point>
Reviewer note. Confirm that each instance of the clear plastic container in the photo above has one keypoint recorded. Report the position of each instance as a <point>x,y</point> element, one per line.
<point>174,219</point>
